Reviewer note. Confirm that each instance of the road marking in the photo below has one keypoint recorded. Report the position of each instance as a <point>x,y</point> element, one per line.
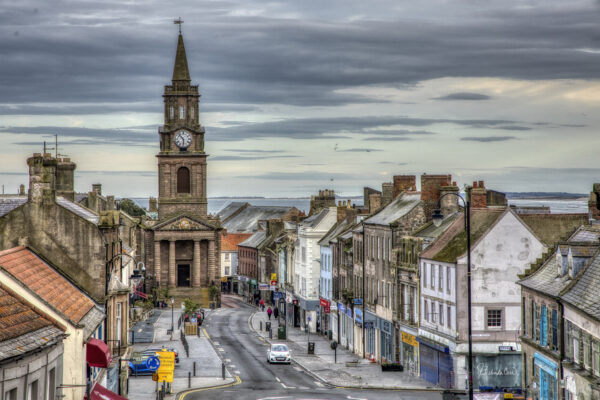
<point>298,369</point>
<point>237,381</point>
<point>277,379</point>
<point>237,372</point>
<point>287,387</point>
<point>231,366</point>
<point>228,360</point>
<point>355,398</point>
<point>220,349</point>
<point>261,338</point>
<point>139,330</point>
<point>205,333</point>
<point>216,343</point>
<point>319,384</point>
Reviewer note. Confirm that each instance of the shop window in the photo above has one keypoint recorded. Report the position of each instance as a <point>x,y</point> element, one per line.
<point>494,318</point>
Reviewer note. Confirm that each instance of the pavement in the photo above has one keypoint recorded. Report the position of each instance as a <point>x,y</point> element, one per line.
<point>322,365</point>
<point>208,363</point>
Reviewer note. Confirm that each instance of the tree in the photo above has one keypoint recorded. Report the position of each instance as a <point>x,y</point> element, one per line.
<point>131,208</point>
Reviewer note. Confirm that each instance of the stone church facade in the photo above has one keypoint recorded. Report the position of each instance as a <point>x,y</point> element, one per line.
<point>183,246</point>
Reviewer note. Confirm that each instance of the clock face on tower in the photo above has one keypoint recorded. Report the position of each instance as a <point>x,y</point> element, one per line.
<point>183,139</point>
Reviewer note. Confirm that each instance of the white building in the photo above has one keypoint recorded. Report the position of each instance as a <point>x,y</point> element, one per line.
<point>307,266</point>
<point>503,245</point>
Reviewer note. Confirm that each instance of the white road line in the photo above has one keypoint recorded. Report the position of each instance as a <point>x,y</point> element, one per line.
<point>216,343</point>
<point>228,360</point>
<point>277,379</point>
<point>319,384</point>
<point>220,349</point>
<point>237,372</point>
<point>287,387</point>
<point>139,330</point>
<point>298,369</point>
<point>231,366</point>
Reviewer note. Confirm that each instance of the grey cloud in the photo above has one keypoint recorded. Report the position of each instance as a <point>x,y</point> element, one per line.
<point>287,55</point>
<point>254,151</point>
<point>392,163</point>
<point>387,138</point>
<point>488,139</point>
<point>463,96</point>
<point>359,150</point>
<point>513,128</point>
<point>243,158</point>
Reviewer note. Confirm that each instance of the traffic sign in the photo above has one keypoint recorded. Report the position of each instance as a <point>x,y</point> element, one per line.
<point>167,366</point>
<point>153,363</point>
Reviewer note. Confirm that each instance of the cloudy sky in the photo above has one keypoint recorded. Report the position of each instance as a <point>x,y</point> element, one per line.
<point>302,95</point>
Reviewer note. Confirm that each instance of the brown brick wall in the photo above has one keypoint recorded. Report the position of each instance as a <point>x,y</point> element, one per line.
<point>430,191</point>
<point>404,183</point>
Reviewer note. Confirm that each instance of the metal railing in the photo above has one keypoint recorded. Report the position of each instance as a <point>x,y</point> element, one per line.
<point>184,341</point>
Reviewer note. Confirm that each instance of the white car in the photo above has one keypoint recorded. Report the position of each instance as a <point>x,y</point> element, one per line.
<point>279,353</point>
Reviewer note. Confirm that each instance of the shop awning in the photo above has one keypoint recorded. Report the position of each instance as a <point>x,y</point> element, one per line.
<point>97,354</point>
<point>99,392</point>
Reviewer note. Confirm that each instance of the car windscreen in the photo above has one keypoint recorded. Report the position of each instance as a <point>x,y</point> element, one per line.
<point>279,347</point>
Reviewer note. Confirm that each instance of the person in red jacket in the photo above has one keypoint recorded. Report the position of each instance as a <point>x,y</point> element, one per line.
<point>269,312</point>
<point>262,304</point>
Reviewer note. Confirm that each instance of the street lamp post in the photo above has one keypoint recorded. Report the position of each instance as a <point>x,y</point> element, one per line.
<point>437,220</point>
<point>172,318</point>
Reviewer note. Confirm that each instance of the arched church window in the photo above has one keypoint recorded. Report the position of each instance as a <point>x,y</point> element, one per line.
<point>181,112</point>
<point>183,180</point>
<point>171,112</point>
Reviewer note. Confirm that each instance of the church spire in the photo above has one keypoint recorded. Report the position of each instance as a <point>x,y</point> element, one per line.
<point>180,70</point>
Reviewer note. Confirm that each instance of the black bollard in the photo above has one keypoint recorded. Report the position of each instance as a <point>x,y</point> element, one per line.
<point>189,380</point>
<point>270,333</point>
<point>223,370</point>
<point>261,325</point>
<point>132,337</point>
<point>194,368</point>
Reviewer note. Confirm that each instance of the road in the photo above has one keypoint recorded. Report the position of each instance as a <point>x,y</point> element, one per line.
<point>245,356</point>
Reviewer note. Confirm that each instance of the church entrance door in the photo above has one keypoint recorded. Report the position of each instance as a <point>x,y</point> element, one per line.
<point>183,275</point>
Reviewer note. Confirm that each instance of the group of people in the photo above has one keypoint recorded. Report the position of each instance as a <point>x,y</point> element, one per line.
<point>270,311</point>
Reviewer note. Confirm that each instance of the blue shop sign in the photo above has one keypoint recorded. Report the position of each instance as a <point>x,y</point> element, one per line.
<point>349,312</point>
<point>358,317</point>
<point>341,308</point>
<point>357,302</point>
<point>278,295</point>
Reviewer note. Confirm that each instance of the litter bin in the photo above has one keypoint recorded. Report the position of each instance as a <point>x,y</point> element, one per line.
<point>311,347</point>
<point>281,333</point>
<point>267,326</point>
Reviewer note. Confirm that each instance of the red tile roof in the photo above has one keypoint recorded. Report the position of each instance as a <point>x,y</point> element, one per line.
<point>17,317</point>
<point>42,279</point>
<point>230,241</point>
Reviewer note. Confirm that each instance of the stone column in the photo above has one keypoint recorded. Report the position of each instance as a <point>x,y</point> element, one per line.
<point>172,263</point>
<point>157,262</point>
<point>211,262</point>
<point>196,263</point>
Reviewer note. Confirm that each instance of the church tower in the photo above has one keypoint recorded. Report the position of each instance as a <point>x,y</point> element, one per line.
<point>181,160</point>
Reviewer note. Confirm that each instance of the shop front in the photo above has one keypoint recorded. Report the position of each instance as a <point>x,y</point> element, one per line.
<point>547,372</point>
<point>435,363</point>
<point>292,310</point>
<point>335,325</point>
<point>324,315</point>
<point>386,340</point>
<point>253,289</point>
<point>502,371</point>
<point>409,352</point>
<point>371,334</point>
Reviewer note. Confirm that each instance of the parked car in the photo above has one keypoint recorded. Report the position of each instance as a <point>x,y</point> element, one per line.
<point>279,353</point>
<point>153,351</point>
<point>139,367</point>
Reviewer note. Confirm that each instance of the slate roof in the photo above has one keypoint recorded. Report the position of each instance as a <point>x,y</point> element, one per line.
<point>315,219</point>
<point>78,210</point>
<point>584,293</point>
<point>246,221</point>
<point>230,241</point>
<point>429,230</point>
<point>255,240</point>
<point>589,234</point>
<point>453,242</point>
<point>22,327</point>
<point>395,210</point>
<point>9,203</point>
<point>546,279</point>
<point>339,228</point>
<point>551,228</point>
<point>229,209</point>
<point>44,281</point>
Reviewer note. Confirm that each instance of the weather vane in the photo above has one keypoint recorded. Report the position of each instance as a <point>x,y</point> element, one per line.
<point>178,21</point>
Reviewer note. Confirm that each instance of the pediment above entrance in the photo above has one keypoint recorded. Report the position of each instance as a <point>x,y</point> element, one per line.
<point>185,223</point>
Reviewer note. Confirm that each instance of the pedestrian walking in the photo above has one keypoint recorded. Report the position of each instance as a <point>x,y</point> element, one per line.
<point>262,304</point>
<point>276,312</point>
<point>269,312</point>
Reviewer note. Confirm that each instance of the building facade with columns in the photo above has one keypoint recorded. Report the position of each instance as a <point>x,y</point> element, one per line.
<point>183,244</point>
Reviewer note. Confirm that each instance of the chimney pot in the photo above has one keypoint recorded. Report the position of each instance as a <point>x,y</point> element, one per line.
<point>474,184</point>
<point>481,184</point>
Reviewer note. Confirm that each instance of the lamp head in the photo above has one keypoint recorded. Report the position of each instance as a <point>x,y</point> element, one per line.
<point>437,217</point>
<point>172,300</point>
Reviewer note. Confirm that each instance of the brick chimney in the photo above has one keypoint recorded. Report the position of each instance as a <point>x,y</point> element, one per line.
<point>345,210</point>
<point>21,190</point>
<point>65,178</point>
<point>97,188</point>
<point>594,202</point>
<point>449,204</point>
<point>431,186</point>
<point>42,178</point>
<point>403,183</point>
<point>387,193</point>
<point>374,202</point>
<point>478,195</point>
<point>152,204</point>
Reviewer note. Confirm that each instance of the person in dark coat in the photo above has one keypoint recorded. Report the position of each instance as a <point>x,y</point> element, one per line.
<point>276,312</point>
<point>269,312</point>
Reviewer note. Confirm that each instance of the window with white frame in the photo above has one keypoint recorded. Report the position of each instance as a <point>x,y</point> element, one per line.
<point>441,313</point>
<point>441,278</point>
<point>426,309</point>
<point>118,318</point>
<point>448,277</point>
<point>433,312</point>
<point>181,112</point>
<point>171,112</point>
<point>449,317</point>
<point>431,276</point>
<point>52,384</point>
<point>494,318</point>
<point>390,249</point>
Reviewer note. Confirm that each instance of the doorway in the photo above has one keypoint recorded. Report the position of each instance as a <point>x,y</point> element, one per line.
<point>183,275</point>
